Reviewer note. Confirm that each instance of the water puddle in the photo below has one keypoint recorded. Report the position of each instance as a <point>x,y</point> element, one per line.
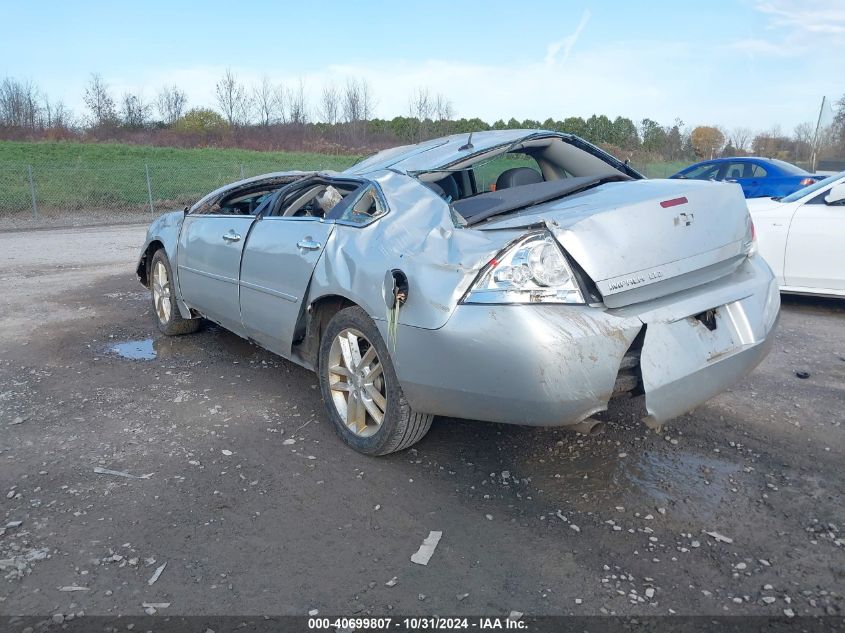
<point>135,350</point>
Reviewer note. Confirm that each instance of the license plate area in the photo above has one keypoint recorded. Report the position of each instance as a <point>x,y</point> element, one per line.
<point>715,331</point>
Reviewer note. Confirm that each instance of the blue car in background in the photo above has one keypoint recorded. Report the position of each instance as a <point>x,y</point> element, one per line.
<point>758,177</point>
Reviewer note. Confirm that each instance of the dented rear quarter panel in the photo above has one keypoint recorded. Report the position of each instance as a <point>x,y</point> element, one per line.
<point>416,236</point>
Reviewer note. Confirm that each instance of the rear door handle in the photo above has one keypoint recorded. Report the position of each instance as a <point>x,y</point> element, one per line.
<point>231,236</point>
<point>308,244</point>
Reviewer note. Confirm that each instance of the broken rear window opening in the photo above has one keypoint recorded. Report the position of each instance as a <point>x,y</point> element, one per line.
<point>530,171</point>
<point>487,205</point>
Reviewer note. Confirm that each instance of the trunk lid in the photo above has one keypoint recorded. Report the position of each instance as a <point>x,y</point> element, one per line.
<point>639,240</point>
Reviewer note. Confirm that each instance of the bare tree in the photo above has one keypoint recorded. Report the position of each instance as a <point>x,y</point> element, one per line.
<point>368,102</point>
<point>804,137</point>
<point>99,102</point>
<point>351,101</point>
<point>268,106</point>
<point>280,97</point>
<point>233,99</point>
<point>329,108</point>
<point>357,102</point>
<point>19,105</point>
<point>62,116</point>
<point>804,133</point>
<point>171,103</point>
<point>54,114</point>
<point>421,107</point>
<point>442,108</point>
<point>297,107</point>
<point>740,138</point>
<point>134,111</point>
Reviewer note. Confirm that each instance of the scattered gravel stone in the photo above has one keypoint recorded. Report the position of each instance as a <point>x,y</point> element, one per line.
<point>721,538</point>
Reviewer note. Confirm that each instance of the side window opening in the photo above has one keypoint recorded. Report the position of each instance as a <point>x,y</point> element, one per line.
<point>317,200</point>
<point>241,202</point>
<point>365,208</point>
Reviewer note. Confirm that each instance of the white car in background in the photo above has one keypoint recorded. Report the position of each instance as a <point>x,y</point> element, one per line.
<point>802,237</point>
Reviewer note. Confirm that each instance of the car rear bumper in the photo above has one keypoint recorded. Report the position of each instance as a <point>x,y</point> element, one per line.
<point>554,365</point>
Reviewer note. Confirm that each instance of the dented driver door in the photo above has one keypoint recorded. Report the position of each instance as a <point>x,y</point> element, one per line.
<point>279,257</point>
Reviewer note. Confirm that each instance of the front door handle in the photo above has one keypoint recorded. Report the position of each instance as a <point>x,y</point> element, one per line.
<point>231,236</point>
<point>308,244</point>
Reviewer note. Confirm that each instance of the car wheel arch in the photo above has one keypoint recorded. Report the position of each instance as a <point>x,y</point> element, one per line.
<point>144,271</point>
<point>312,323</point>
<point>145,263</point>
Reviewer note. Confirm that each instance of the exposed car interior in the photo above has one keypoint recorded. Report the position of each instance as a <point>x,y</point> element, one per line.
<point>348,201</point>
<point>474,188</point>
<point>241,202</point>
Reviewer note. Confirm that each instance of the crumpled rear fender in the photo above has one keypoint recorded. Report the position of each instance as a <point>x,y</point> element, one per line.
<point>684,363</point>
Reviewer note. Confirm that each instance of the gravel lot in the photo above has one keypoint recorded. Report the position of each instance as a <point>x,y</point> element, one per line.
<point>240,486</point>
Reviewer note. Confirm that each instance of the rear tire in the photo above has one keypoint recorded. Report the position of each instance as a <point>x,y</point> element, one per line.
<point>360,390</point>
<point>166,312</point>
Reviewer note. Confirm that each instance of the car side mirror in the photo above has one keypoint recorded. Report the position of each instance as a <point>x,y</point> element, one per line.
<point>836,194</point>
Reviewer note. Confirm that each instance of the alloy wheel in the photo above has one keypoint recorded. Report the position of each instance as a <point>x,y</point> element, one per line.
<point>161,292</point>
<point>356,380</point>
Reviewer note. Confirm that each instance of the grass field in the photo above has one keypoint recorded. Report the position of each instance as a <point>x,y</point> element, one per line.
<point>111,179</point>
<point>71,176</point>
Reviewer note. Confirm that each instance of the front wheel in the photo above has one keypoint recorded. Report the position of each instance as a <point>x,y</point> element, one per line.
<point>360,390</point>
<point>166,312</point>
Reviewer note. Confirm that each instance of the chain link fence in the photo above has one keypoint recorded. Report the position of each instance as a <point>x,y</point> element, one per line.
<point>33,196</point>
<point>61,195</point>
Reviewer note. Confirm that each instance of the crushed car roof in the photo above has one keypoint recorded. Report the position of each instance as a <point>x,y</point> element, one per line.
<point>443,151</point>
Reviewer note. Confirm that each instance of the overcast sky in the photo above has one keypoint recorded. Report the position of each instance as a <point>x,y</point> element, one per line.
<point>735,63</point>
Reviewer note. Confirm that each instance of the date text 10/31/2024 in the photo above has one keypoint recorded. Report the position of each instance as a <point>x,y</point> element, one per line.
<point>417,624</point>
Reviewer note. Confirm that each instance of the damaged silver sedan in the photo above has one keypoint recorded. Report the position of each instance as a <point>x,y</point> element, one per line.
<point>518,276</point>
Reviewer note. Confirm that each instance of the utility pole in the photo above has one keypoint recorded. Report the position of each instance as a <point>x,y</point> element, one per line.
<point>816,138</point>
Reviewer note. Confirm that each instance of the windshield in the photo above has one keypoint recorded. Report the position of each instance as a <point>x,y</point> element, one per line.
<point>821,184</point>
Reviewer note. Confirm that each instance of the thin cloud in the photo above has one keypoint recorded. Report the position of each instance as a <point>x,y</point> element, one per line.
<point>811,17</point>
<point>566,43</point>
<point>767,48</point>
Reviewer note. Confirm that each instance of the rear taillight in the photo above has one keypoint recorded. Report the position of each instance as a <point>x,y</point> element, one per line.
<point>807,181</point>
<point>749,244</point>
